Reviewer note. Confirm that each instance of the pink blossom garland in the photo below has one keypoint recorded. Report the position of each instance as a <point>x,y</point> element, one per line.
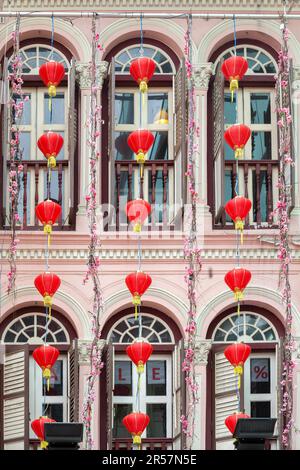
<point>284,119</point>
<point>16,106</point>
<point>96,364</point>
<point>192,252</point>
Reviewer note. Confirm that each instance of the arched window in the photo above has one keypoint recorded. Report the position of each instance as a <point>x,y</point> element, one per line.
<point>34,56</point>
<point>164,64</point>
<point>247,327</point>
<point>32,328</point>
<point>259,60</point>
<point>154,330</point>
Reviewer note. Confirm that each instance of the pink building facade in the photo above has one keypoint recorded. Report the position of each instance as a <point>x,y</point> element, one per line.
<point>165,304</point>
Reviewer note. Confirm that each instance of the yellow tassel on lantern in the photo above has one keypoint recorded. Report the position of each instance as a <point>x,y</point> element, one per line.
<point>51,161</point>
<point>234,85</point>
<point>140,156</point>
<point>47,376</point>
<point>238,295</point>
<point>44,444</point>
<point>48,303</point>
<point>137,439</point>
<point>48,231</point>
<point>136,300</point>
<point>140,367</point>
<point>52,94</point>
<point>137,227</point>
<point>238,370</point>
<point>239,152</point>
<point>143,86</point>
<point>239,225</point>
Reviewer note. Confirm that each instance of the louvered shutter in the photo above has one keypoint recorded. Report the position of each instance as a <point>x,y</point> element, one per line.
<point>179,405</point>
<point>73,382</point>
<point>279,360</point>
<point>5,140</point>
<point>15,405</point>
<point>180,122</point>
<point>218,144</point>
<point>111,129</point>
<point>72,144</point>
<point>226,401</point>
<point>109,392</point>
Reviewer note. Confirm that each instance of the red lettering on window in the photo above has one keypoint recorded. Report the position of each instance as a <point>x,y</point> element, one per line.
<point>155,373</point>
<point>120,378</point>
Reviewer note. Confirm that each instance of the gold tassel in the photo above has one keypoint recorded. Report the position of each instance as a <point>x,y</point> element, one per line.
<point>44,444</point>
<point>137,227</point>
<point>47,376</point>
<point>48,303</point>
<point>51,162</point>
<point>239,225</point>
<point>239,153</point>
<point>137,439</point>
<point>143,86</point>
<point>141,170</point>
<point>238,370</point>
<point>48,231</point>
<point>234,85</point>
<point>238,295</point>
<point>140,367</point>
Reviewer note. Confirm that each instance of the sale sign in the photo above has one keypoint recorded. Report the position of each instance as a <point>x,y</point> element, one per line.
<point>156,372</point>
<point>260,370</point>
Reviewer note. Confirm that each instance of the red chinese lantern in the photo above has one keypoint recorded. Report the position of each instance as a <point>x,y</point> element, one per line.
<point>238,208</point>
<point>237,354</point>
<point>48,212</point>
<point>38,428</point>
<point>136,424</point>
<point>137,212</point>
<point>45,356</point>
<point>52,74</point>
<point>237,137</point>
<point>47,284</point>
<point>139,352</point>
<point>142,70</point>
<point>137,284</point>
<point>232,420</point>
<point>50,144</point>
<point>140,142</point>
<point>237,280</point>
<point>233,70</point>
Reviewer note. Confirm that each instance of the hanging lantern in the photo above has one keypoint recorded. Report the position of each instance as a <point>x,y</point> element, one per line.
<point>48,212</point>
<point>233,70</point>
<point>38,428</point>
<point>139,352</point>
<point>237,137</point>
<point>140,142</point>
<point>52,74</point>
<point>237,280</point>
<point>237,354</point>
<point>238,208</point>
<point>47,284</point>
<point>50,144</point>
<point>45,356</point>
<point>142,70</point>
<point>137,212</point>
<point>137,284</point>
<point>136,424</point>
<point>232,420</point>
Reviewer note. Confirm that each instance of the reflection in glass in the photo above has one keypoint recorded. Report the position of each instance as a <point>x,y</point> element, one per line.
<point>21,199</point>
<point>158,423</point>
<point>262,194</point>
<point>156,378</point>
<point>120,411</point>
<point>123,151</point>
<point>124,108</point>
<point>54,411</point>
<point>260,409</point>
<point>158,108</point>
<point>229,109</point>
<point>56,380</point>
<point>260,108</point>
<point>123,378</point>
<point>25,145</point>
<point>158,209</point>
<point>58,109</point>
<point>159,149</point>
<point>261,145</point>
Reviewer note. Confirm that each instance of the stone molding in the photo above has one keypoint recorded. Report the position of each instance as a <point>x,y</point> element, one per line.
<point>202,348</point>
<point>202,74</point>
<point>83,350</point>
<point>83,74</point>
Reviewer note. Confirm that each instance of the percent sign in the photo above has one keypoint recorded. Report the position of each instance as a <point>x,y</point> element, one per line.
<point>260,372</point>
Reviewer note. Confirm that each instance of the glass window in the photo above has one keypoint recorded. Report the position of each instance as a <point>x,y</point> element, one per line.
<point>54,411</point>
<point>156,378</point>
<point>260,108</point>
<point>260,375</point>
<point>25,145</point>
<point>57,109</point>
<point>120,411</point>
<point>124,108</point>
<point>123,151</point>
<point>159,149</point>
<point>123,378</point>
<point>157,425</point>
<point>158,108</point>
<point>260,409</point>
<point>229,109</point>
<point>56,380</point>
<point>153,330</point>
<point>261,145</point>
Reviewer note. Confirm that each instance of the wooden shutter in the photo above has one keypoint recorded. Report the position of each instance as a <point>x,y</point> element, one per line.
<point>225,402</point>
<point>109,392</point>
<point>5,139</point>
<point>15,399</point>
<point>180,122</point>
<point>111,128</point>
<point>179,405</point>
<point>218,144</point>
<point>72,144</point>
<point>73,382</point>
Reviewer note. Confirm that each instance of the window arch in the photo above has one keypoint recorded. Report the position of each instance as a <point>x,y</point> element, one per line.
<point>164,65</point>
<point>32,328</point>
<point>259,60</point>
<point>35,55</point>
<point>154,330</point>
<point>247,327</point>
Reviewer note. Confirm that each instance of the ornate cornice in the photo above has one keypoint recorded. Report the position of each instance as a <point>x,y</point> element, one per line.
<point>83,74</point>
<point>84,350</point>
<point>202,74</point>
<point>202,348</point>
<point>145,4</point>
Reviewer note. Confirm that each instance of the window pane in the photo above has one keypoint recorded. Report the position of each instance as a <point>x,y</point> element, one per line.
<point>158,108</point>
<point>54,411</point>
<point>158,422</point>
<point>157,211</point>
<point>260,409</point>
<point>260,108</point>
<point>123,152</point>
<point>120,411</point>
<point>229,109</point>
<point>123,378</point>
<point>156,378</point>
<point>260,375</point>
<point>26,115</point>
<point>21,199</point>
<point>56,380</point>
<point>25,146</point>
<point>262,195</point>
<point>159,149</point>
<point>58,109</point>
<point>261,145</point>
<point>124,108</point>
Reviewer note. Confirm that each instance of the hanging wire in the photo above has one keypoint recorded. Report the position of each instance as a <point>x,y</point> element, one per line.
<point>234,33</point>
<point>52,37</point>
<point>141,35</point>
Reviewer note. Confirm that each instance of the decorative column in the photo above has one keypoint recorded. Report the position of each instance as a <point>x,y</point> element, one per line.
<point>83,77</point>
<point>202,74</point>
<point>203,346</point>
<point>84,371</point>
<point>295,216</point>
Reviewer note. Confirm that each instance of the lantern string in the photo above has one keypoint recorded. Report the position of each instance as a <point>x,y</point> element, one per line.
<point>52,37</point>
<point>142,35</point>
<point>234,33</point>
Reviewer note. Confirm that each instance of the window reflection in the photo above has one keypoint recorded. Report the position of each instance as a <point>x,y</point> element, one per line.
<point>124,108</point>
<point>123,151</point>
<point>57,109</point>
<point>120,411</point>
<point>158,422</point>
<point>158,108</point>
<point>260,108</point>
<point>159,149</point>
<point>123,378</point>
<point>261,145</point>
<point>56,380</point>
